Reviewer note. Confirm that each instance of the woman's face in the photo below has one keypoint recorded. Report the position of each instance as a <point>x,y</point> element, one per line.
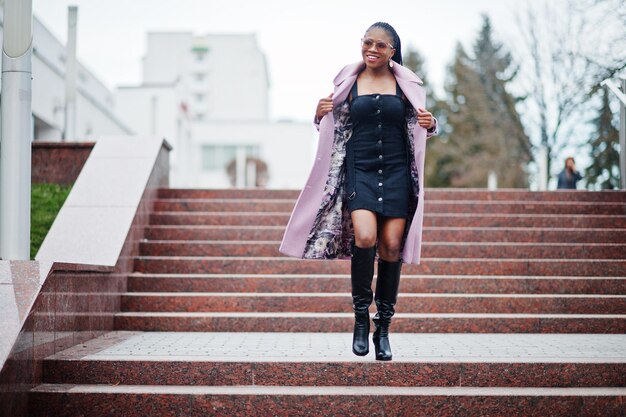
<point>376,48</point>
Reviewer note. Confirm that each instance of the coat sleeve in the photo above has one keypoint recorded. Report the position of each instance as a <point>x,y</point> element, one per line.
<point>433,131</point>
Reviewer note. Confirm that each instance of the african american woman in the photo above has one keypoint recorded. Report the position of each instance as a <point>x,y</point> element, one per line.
<point>365,193</point>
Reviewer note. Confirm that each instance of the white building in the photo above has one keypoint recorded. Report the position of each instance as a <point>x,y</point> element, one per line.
<point>208,95</point>
<point>94,102</point>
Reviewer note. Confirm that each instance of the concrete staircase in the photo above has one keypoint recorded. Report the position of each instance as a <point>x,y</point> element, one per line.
<point>518,309</point>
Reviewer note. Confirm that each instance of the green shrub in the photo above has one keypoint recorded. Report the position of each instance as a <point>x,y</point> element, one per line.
<point>46,201</point>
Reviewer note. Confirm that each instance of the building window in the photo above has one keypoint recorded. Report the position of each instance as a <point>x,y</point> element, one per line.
<point>199,77</point>
<point>252,151</point>
<point>216,157</point>
<point>199,117</point>
<point>200,52</point>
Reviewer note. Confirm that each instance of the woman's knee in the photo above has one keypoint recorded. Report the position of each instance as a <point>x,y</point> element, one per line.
<point>365,228</point>
<point>365,238</point>
<point>389,249</point>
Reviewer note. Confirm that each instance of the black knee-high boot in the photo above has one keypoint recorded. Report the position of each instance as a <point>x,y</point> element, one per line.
<point>362,274</point>
<point>387,285</point>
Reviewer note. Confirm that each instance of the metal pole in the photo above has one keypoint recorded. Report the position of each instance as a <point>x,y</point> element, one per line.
<point>16,128</point>
<point>71,72</point>
<point>251,174</point>
<point>240,167</point>
<point>154,104</point>
<point>492,180</point>
<point>621,95</point>
<point>542,162</point>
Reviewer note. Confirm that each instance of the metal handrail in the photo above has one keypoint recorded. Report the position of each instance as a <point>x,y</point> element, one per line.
<point>615,89</point>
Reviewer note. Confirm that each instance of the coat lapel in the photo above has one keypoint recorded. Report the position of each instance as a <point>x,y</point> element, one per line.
<point>344,80</point>
<point>408,82</point>
<point>313,195</point>
<point>406,78</point>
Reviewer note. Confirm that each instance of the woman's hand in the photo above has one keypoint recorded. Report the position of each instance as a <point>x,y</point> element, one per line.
<point>324,106</point>
<point>425,118</point>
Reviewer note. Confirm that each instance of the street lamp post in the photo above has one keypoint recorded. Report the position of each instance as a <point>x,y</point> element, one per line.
<point>71,71</point>
<point>16,130</point>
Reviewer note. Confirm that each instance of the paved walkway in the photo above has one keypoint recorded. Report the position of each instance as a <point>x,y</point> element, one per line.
<point>426,347</point>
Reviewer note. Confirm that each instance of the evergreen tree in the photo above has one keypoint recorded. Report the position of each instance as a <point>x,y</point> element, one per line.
<point>604,168</point>
<point>473,146</point>
<point>486,132</point>
<point>496,68</point>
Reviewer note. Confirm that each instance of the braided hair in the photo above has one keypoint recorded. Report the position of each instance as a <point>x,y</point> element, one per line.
<point>397,56</point>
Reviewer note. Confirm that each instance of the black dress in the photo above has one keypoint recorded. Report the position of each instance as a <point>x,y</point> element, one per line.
<point>377,177</point>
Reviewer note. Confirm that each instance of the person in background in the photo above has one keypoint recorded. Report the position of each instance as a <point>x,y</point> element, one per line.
<point>569,176</point>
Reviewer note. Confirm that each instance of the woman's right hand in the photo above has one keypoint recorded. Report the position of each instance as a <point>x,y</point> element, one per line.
<point>324,106</point>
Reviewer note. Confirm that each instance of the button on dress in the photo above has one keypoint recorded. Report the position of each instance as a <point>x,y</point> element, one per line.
<point>376,155</point>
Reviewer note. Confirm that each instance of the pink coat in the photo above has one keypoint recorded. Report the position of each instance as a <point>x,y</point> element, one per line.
<point>320,226</point>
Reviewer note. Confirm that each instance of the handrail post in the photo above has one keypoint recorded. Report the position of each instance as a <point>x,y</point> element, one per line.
<point>621,95</point>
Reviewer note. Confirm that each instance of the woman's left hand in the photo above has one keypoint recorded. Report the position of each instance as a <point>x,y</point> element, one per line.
<point>425,118</point>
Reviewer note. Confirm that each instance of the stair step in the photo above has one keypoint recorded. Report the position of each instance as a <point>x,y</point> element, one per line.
<point>450,206</point>
<point>438,219</point>
<point>429,249</point>
<point>325,401</point>
<point>429,266</point>
<point>201,370</point>
<point>430,234</point>
<point>205,193</point>
<point>518,309</point>
<point>342,302</point>
<point>296,359</point>
<point>220,232</point>
<point>343,322</point>
<point>141,282</point>
<point>431,194</point>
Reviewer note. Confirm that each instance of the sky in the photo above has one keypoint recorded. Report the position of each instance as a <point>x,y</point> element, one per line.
<point>305,42</point>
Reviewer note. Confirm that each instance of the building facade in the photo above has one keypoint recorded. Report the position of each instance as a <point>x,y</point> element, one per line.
<point>94,101</point>
<point>209,96</point>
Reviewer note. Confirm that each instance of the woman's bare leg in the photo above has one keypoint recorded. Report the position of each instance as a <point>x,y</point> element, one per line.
<point>365,225</point>
<point>390,239</point>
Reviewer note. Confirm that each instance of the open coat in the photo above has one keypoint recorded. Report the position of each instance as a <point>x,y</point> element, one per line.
<point>320,226</point>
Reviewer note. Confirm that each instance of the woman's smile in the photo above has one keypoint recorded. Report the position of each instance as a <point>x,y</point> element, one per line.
<point>377,48</point>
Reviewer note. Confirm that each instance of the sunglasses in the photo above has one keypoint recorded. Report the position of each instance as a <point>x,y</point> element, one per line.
<point>380,45</point>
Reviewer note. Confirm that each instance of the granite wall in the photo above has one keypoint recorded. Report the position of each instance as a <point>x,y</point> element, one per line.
<point>58,162</point>
<point>48,306</point>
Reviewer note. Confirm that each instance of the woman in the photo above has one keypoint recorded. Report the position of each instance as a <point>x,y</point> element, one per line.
<point>569,176</point>
<point>365,192</point>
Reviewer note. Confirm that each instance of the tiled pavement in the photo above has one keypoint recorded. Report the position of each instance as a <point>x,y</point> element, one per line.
<point>407,347</point>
